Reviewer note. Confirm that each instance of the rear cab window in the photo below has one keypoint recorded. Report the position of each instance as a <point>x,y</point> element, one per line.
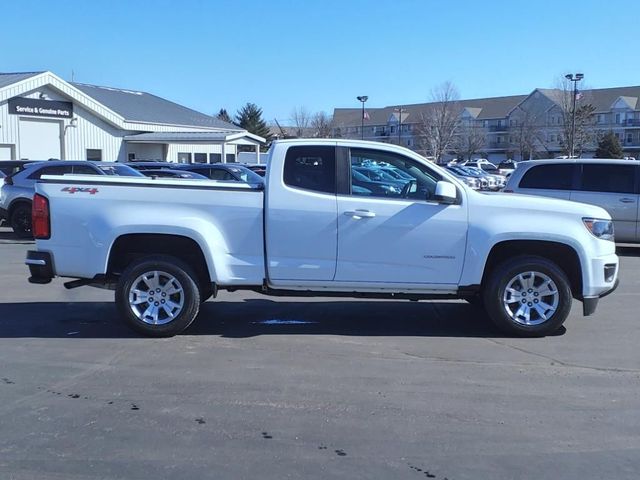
<point>549,177</point>
<point>311,168</point>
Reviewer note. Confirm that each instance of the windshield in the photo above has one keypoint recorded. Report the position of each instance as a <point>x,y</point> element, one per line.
<point>246,175</point>
<point>119,170</point>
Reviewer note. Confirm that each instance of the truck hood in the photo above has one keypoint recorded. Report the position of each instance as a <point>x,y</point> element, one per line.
<point>531,203</point>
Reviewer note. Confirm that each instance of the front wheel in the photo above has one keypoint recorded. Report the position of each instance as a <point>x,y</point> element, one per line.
<point>528,296</point>
<point>158,296</point>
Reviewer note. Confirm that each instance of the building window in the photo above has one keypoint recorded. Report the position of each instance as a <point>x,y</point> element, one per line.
<point>184,157</point>
<point>629,137</point>
<point>131,157</point>
<point>409,143</point>
<point>215,157</point>
<point>94,154</point>
<point>199,158</point>
<point>393,129</point>
<point>617,118</point>
<point>231,158</point>
<point>602,118</point>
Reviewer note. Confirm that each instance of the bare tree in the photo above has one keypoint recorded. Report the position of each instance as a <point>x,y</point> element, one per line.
<point>585,135</point>
<point>437,125</point>
<point>469,139</point>
<point>321,124</point>
<point>526,133</point>
<point>300,118</point>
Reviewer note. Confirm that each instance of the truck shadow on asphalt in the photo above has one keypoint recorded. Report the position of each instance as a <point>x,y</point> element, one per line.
<point>254,317</point>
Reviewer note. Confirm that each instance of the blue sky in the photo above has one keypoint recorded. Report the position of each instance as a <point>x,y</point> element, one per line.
<point>321,54</point>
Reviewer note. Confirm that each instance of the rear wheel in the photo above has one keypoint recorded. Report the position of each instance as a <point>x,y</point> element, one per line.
<point>528,296</point>
<point>21,221</point>
<point>158,296</point>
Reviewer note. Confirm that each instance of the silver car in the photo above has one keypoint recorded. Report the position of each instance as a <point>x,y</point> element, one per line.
<point>17,190</point>
<point>611,184</point>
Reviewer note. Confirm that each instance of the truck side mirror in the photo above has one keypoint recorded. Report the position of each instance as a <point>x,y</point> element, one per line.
<point>445,193</point>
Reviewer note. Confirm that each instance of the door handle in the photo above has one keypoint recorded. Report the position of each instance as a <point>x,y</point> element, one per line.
<point>358,214</point>
<point>627,200</point>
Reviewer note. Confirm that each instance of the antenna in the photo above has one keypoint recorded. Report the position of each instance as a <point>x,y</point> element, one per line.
<point>72,75</point>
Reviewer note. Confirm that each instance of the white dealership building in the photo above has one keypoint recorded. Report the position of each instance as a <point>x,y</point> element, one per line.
<point>43,116</point>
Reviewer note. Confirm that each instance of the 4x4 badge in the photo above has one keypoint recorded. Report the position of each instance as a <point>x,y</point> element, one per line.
<point>89,190</point>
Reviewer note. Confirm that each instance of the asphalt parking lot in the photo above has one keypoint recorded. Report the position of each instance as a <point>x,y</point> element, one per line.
<point>296,388</point>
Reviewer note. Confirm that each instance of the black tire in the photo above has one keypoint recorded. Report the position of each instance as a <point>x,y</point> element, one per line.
<point>21,220</point>
<point>169,267</point>
<point>514,324</point>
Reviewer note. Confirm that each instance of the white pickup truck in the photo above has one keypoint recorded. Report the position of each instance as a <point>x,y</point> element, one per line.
<point>323,225</point>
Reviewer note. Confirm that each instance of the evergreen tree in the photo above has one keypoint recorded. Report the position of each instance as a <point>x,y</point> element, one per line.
<point>609,147</point>
<point>224,116</point>
<point>249,117</point>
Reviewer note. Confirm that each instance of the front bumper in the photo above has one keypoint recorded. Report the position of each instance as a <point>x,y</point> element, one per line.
<point>40,266</point>
<point>589,304</point>
<point>603,281</point>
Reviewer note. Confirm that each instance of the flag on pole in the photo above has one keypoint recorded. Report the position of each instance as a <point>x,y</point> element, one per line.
<point>578,94</point>
<point>365,115</point>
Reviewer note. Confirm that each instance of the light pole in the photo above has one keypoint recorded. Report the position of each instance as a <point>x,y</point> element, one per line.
<point>575,79</point>
<point>362,98</point>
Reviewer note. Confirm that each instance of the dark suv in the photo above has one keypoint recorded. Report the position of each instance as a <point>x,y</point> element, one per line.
<point>215,171</point>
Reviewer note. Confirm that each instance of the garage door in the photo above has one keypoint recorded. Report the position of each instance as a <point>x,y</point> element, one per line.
<point>39,139</point>
<point>5,152</point>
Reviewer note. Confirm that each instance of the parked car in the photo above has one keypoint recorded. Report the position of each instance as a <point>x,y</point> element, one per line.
<point>170,173</point>
<point>165,249</point>
<point>260,169</point>
<point>231,172</point>
<point>610,184</point>
<point>470,173</point>
<point>365,184</point>
<point>379,179</point>
<point>142,165</point>
<point>482,164</point>
<point>470,181</point>
<point>2,175</point>
<point>495,182</point>
<point>9,167</point>
<point>507,167</point>
<point>17,190</point>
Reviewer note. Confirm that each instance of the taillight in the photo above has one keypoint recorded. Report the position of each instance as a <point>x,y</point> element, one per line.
<point>8,181</point>
<point>40,222</point>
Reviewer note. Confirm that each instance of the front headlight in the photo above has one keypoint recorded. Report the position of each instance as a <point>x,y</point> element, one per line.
<point>599,228</point>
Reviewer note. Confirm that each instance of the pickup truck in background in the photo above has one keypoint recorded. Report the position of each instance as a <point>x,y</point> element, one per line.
<point>167,245</point>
